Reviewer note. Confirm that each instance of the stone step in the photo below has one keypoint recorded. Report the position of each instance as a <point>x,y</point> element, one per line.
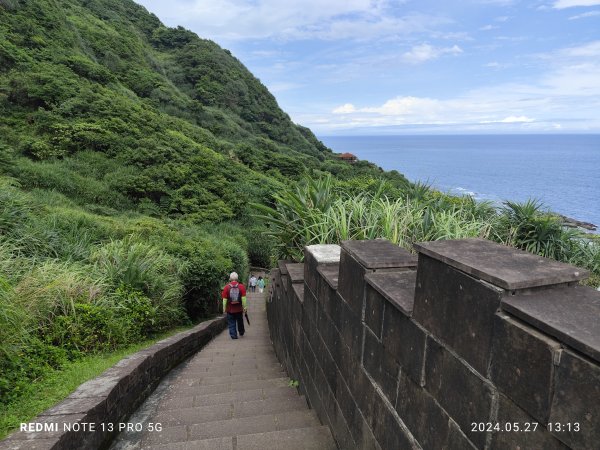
<point>186,391</point>
<point>313,438</point>
<point>208,379</point>
<point>228,410</point>
<point>227,397</point>
<point>249,368</point>
<point>232,427</point>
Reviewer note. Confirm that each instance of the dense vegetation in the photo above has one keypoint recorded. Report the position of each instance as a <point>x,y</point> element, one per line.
<point>134,159</point>
<point>319,211</point>
<point>129,155</point>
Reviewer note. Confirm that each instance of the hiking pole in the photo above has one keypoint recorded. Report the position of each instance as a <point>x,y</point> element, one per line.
<point>247,320</point>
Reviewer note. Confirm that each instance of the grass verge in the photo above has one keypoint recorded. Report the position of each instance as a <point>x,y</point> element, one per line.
<point>57,385</point>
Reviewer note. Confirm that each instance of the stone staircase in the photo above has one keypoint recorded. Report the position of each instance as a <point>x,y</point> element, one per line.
<point>232,395</point>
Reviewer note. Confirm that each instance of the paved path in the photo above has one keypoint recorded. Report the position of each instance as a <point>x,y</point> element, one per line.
<point>232,395</point>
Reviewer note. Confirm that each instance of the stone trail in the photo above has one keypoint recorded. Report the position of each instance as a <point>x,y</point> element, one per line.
<point>232,395</point>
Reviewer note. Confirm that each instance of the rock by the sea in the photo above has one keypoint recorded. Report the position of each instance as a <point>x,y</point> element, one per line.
<point>573,223</point>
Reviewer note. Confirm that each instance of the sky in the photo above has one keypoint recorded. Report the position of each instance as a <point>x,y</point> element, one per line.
<point>343,67</point>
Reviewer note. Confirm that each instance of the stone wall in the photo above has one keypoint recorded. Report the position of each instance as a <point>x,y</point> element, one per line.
<point>470,345</point>
<point>98,406</point>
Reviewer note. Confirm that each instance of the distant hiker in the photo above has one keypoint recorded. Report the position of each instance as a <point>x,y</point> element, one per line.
<point>252,283</point>
<point>234,304</point>
<point>261,284</point>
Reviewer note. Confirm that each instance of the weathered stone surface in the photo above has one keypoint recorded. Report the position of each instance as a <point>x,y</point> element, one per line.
<point>396,287</point>
<point>379,254</point>
<point>350,327</point>
<point>404,340</point>
<point>531,434</point>
<point>577,390</point>
<point>299,291</point>
<point>387,428</point>
<point>427,422</point>
<point>374,306</point>
<point>523,365</point>
<point>464,395</point>
<point>458,441</point>
<point>359,257</point>
<point>295,272</point>
<point>330,273</point>
<point>282,265</point>
<point>506,267</point>
<point>570,314</point>
<point>327,287</point>
<point>351,284</point>
<point>316,255</point>
<point>458,309</point>
<point>380,366</point>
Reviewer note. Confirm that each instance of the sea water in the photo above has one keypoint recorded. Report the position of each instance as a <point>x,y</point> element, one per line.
<point>561,171</point>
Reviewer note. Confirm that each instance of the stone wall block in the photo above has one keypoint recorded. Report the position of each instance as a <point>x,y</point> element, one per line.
<point>351,329</point>
<point>529,435</point>
<point>523,365</point>
<point>314,256</point>
<point>457,309</point>
<point>576,400</point>
<point>427,422</point>
<point>387,428</point>
<point>374,307</point>
<point>465,395</point>
<point>405,341</point>
<point>352,282</point>
<point>380,366</point>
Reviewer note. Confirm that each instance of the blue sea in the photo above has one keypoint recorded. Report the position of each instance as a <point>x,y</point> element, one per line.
<point>562,171</point>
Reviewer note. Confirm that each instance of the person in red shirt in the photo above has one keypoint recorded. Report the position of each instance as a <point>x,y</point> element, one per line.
<point>234,305</point>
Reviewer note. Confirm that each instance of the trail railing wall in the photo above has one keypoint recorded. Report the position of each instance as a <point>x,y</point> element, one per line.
<point>470,345</point>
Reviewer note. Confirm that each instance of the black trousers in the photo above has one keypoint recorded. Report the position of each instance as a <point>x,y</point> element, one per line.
<point>234,319</point>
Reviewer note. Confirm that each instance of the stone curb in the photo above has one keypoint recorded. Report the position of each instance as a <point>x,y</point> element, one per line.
<point>91,416</point>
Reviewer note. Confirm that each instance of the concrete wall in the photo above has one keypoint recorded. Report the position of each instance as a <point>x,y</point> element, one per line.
<point>457,349</point>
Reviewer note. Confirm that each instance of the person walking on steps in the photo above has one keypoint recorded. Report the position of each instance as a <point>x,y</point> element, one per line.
<point>261,284</point>
<point>252,283</point>
<point>234,305</point>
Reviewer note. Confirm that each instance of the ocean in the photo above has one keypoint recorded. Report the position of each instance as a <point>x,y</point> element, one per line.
<point>562,171</point>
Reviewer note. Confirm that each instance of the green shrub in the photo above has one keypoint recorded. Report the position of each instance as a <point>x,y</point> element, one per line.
<point>145,268</point>
<point>32,359</point>
<point>140,315</point>
<point>88,328</point>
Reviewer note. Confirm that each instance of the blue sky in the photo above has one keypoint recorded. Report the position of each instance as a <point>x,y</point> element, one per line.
<point>414,66</point>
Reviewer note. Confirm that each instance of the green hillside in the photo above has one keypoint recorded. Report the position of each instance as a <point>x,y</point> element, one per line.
<point>130,156</point>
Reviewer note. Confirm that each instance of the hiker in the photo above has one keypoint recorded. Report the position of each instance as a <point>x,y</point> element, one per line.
<point>252,283</point>
<point>234,304</point>
<point>261,284</point>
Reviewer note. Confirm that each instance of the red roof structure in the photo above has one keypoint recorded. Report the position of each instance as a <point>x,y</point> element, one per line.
<point>348,157</point>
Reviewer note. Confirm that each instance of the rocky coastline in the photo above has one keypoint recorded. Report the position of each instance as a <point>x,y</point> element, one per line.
<point>574,223</point>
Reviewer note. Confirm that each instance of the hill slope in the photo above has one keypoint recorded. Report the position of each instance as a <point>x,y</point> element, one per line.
<point>117,109</point>
<point>129,155</point>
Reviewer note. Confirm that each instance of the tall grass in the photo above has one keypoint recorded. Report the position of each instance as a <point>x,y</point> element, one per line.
<point>315,213</point>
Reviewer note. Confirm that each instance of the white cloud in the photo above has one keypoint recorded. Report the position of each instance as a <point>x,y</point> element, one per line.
<point>589,50</point>
<point>424,52</point>
<point>489,27</point>
<point>233,20</point>
<point>346,108</point>
<point>561,4</point>
<point>516,119</point>
<point>585,15</point>
<point>569,92</point>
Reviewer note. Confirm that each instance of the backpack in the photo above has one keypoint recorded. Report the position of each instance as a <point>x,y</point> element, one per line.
<point>234,297</point>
